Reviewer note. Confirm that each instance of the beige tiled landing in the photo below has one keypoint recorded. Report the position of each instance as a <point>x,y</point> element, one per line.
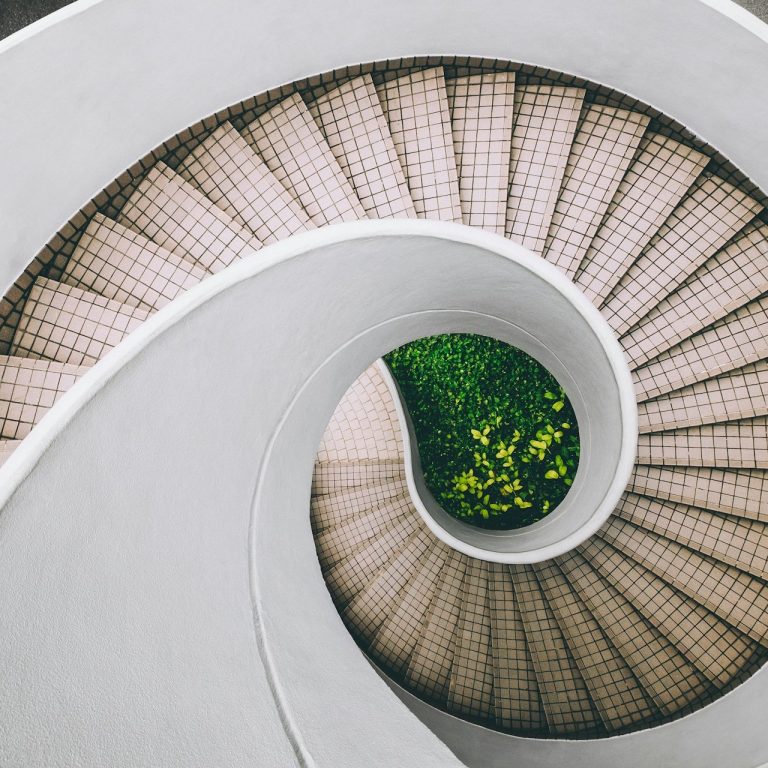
<point>710,214</point>
<point>174,214</point>
<point>600,155</point>
<point>546,118</point>
<point>614,689</point>
<point>231,174</point>
<point>567,702</point>
<point>665,674</point>
<point>733,277</point>
<point>70,325</point>
<point>120,264</point>
<point>335,476</point>
<point>661,173</point>
<point>28,388</point>
<point>7,447</point>
<point>416,108</point>
<point>743,493</point>
<point>294,149</point>
<point>353,123</point>
<point>482,111</point>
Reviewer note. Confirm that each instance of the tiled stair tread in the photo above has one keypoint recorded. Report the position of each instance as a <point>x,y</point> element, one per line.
<point>567,702</point>
<point>666,675</point>
<point>707,218</point>
<point>600,155</point>
<point>334,476</point>
<point>739,394</point>
<point>429,669</point>
<point>737,542</point>
<point>546,119</point>
<point>743,493</point>
<point>120,264</point>
<point>70,325</point>
<point>398,635</point>
<point>232,175</point>
<point>716,649</point>
<point>28,389</point>
<point>733,277</point>
<point>733,342</point>
<point>516,698</point>
<point>482,110</point>
<point>353,123</point>
<point>294,149</point>
<point>471,685</point>
<point>174,214</point>
<point>416,108</point>
<point>661,173</point>
<point>612,686</point>
<point>732,445</point>
<point>7,447</point>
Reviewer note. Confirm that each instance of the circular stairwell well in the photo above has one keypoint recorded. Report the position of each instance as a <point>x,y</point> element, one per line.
<point>662,610</point>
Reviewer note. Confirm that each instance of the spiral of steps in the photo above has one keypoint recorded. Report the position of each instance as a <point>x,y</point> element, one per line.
<point>661,612</point>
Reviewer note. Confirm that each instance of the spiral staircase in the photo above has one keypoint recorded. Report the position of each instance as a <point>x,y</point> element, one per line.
<point>665,609</point>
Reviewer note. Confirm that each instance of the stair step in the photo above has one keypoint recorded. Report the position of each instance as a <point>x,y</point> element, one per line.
<point>567,702</point>
<point>665,674</point>
<point>470,691</point>
<point>7,447</point>
<point>661,173</point>
<point>334,476</point>
<point>717,650</point>
<point>710,215</point>
<point>172,213</point>
<point>733,445</point>
<point>234,177</point>
<point>740,543</point>
<point>482,111</point>
<point>429,670</point>
<point>353,123</point>
<point>602,150</point>
<point>733,277</point>
<point>516,699</point>
<point>733,595</point>
<point>416,108</point>
<point>28,389</point>
<point>546,119</point>
<point>395,641</point>
<point>739,394</point>
<point>70,325</point>
<point>743,493</point>
<point>612,686</point>
<point>292,145</point>
<point>120,264</point>
<point>731,343</point>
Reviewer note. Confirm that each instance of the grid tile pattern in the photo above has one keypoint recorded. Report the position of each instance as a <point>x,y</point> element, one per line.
<point>600,155</point>
<point>546,118</point>
<point>660,175</point>
<point>613,688</point>
<point>119,264</point>
<point>710,215</point>
<point>567,702</point>
<point>482,110</point>
<point>353,123</point>
<point>234,177</point>
<point>291,144</point>
<point>416,108</point>
<point>170,211</point>
<point>743,493</point>
<point>7,447</point>
<point>733,342</point>
<point>740,394</point>
<point>28,388</point>
<point>516,699</point>
<point>733,277</point>
<point>70,325</point>
<point>333,476</point>
<point>664,673</point>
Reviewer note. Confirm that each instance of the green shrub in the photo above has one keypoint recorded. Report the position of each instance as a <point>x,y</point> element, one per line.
<point>497,437</point>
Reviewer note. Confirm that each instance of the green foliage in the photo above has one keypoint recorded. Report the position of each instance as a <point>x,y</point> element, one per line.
<point>498,439</point>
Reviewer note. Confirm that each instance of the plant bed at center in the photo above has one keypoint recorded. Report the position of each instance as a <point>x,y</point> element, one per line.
<point>497,436</point>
